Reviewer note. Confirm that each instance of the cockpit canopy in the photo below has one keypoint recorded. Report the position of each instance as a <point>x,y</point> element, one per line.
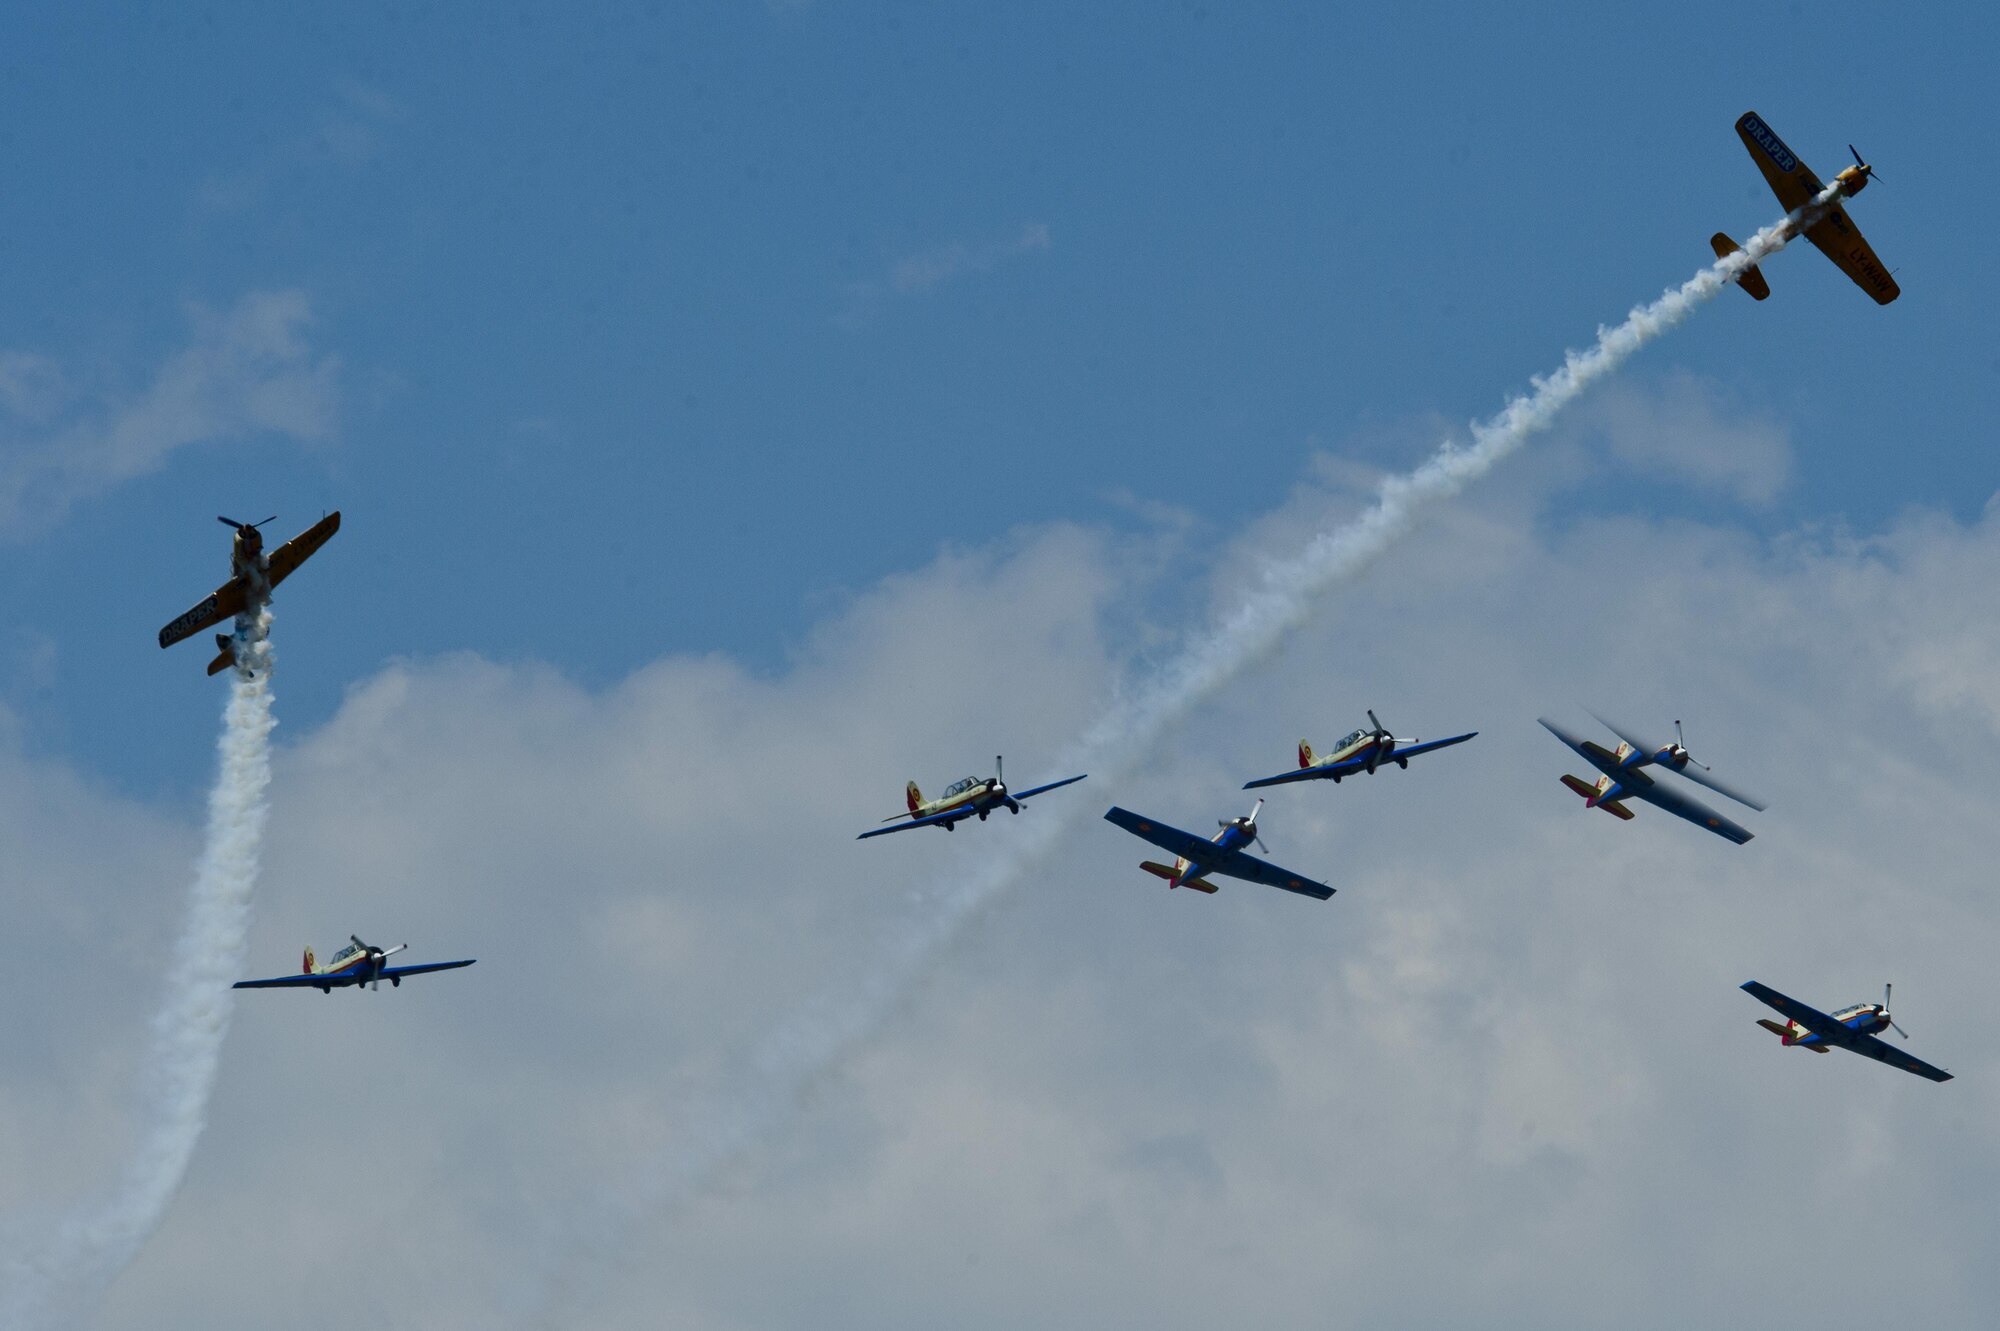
<point>960,787</point>
<point>1354,739</point>
<point>348,953</point>
<point>1849,1013</point>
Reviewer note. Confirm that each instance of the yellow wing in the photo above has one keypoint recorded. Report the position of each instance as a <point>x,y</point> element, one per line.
<point>279,564</point>
<point>1791,180</point>
<point>225,602</point>
<point>1840,240</point>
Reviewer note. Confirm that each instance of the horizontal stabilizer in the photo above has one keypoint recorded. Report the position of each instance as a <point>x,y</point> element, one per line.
<point>1580,786</point>
<point>1200,885</point>
<point>1162,870</point>
<point>1617,807</point>
<point>224,660</point>
<point>1749,278</point>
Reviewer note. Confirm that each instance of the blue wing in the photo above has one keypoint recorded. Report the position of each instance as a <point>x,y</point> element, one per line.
<point>1869,1046</point>
<point>1661,795</point>
<point>1030,794</point>
<point>1236,864</point>
<point>291,982</point>
<point>1811,1018</point>
<point>1596,755</point>
<point>948,816</point>
<point>1354,764</point>
<point>397,972</point>
<point>1184,844</point>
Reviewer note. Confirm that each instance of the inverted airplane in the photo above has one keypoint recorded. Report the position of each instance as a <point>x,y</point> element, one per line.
<point>972,797</point>
<point>1851,1028</point>
<point>1197,858</point>
<point>1623,779</point>
<point>1830,229</point>
<point>356,964</point>
<point>252,575</point>
<point>1362,751</point>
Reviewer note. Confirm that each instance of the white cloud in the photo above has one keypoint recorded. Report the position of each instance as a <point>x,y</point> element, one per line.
<point>1503,1078</point>
<point>925,271</point>
<point>246,372</point>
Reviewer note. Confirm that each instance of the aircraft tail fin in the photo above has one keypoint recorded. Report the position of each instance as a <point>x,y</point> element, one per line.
<point>1305,754</point>
<point>1750,279</point>
<point>916,797</point>
<point>228,656</point>
<point>306,967</point>
<point>1593,795</point>
<point>1168,872</point>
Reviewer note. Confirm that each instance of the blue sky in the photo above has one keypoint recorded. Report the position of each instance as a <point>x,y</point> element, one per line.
<point>856,390</point>
<point>667,332</point>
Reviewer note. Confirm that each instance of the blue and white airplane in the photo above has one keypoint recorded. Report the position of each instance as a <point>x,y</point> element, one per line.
<point>1622,779</point>
<point>1195,858</point>
<point>356,964</point>
<point>972,797</point>
<point>1851,1028</point>
<point>1362,751</point>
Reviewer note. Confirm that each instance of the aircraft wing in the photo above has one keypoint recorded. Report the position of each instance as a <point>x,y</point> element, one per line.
<point>225,602</point>
<point>281,562</point>
<point>1661,795</point>
<point>1031,793</point>
<point>948,816</point>
<point>1353,764</point>
<point>1869,1046</point>
<point>1596,755</point>
<point>397,972</point>
<point>1790,179</point>
<point>1809,1017</point>
<point>1184,844</point>
<point>287,982</point>
<point>1841,241</point>
<point>1236,864</point>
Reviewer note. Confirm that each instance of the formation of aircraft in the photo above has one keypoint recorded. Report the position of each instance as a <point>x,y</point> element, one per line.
<point>1362,751</point>
<point>1830,228</point>
<point>1634,770</point>
<point>1851,1028</point>
<point>357,964</point>
<point>1196,859</point>
<point>1624,778</point>
<point>252,575</point>
<point>972,797</point>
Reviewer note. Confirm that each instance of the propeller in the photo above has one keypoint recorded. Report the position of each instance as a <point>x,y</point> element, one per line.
<point>1248,822</point>
<point>1866,169</point>
<point>1885,1013</point>
<point>998,786</point>
<point>1675,756</point>
<point>245,526</point>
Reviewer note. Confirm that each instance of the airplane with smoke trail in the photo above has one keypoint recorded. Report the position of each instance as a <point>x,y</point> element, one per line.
<point>1196,858</point>
<point>1851,1028</point>
<point>1362,751</point>
<point>1826,226</point>
<point>252,575</point>
<point>974,796</point>
<point>356,964</point>
<point>1623,779</point>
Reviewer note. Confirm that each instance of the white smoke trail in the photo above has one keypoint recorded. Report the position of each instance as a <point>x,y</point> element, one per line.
<point>63,1278</point>
<point>823,1033</point>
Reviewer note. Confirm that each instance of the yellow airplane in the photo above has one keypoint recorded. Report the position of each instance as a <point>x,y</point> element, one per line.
<point>972,797</point>
<point>251,577</point>
<point>1832,231</point>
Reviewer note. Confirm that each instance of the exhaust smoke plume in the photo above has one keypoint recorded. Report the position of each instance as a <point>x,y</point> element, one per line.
<point>60,1280</point>
<point>825,1032</point>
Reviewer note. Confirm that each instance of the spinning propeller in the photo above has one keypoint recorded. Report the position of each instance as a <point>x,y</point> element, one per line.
<point>1248,822</point>
<point>376,955</point>
<point>1866,169</point>
<point>1676,758</point>
<point>1885,1013</point>
<point>997,787</point>
<point>245,526</point>
<point>1385,743</point>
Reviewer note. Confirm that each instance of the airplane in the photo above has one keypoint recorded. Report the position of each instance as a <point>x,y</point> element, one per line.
<point>356,964</point>
<point>1829,228</point>
<point>1195,858</point>
<point>252,575</point>
<point>1851,1028</point>
<point>1362,751</point>
<point>972,797</point>
<point>1622,779</point>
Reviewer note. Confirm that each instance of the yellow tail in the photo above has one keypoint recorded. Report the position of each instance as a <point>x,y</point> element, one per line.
<point>916,797</point>
<point>1305,754</point>
<point>1749,279</point>
<point>307,967</point>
